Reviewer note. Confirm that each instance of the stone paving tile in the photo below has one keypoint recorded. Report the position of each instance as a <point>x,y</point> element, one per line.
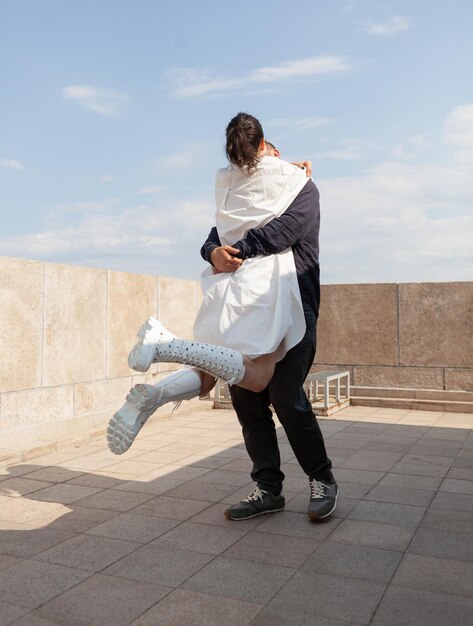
<point>389,513</point>
<point>177,472</point>
<point>273,549</point>
<point>409,481</point>
<point>297,525</point>
<point>63,493</point>
<point>353,490</point>
<point>463,462</point>
<point>362,562</point>
<point>460,522</point>
<point>368,460</point>
<point>463,473</point>
<point>377,535</point>
<point>158,564</point>
<point>383,446</point>
<point>423,465</point>
<point>200,538</point>
<point>87,552</point>
<point>328,596</point>
<point>199,490</point>
<point>104,600</point>
<point>153,487</point>
<point>7,561</point>
<point>284,616</point>
<point>435,574</point>
<point>243,580</point>
<point>226,477</point>
<point>172,508</point>
<point>26,510</point>
<point>414,607</point>
<point>115,500</point>
<point>53,474</point>
<point>102,481</point>
<point>198,609</point>
<point>452,501</point>
<point>133,527</point>
<point>214,516</point>
<point>457,486</point>
<point>16,487</point>
<point>31,583</point>
<point>448,545</point>
<point>24,541</point>
<point>400,495</point>
<point>80,519</point>
<point>9,613</point>
<point>361,477</point>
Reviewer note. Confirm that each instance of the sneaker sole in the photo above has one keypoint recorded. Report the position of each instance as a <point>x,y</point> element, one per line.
<point>317,518</point>
<point>242,519</point>
<point>129,420</point>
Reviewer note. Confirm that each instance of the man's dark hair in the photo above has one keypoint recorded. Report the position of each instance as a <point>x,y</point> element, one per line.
<point>244,135</point>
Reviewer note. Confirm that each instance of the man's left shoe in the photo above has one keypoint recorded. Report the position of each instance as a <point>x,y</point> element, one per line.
<point>323,499</point>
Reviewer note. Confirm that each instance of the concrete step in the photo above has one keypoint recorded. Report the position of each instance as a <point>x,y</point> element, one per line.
<point>413,404</point>
<point>414,394</point>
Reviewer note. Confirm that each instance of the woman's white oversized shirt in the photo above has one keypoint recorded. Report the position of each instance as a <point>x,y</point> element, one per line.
<point>257,308</point>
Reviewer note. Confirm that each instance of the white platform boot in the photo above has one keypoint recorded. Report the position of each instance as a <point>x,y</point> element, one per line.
<point>143,400</point>
<point>158,345</point>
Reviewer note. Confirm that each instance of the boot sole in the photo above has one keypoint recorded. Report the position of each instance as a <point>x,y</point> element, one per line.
<point>242,519</point>
<point>318,518</point>
<point>128,421</point>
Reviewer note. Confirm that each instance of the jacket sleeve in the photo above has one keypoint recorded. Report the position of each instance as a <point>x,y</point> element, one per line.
<point>284,231</point>
<point>212,242</point>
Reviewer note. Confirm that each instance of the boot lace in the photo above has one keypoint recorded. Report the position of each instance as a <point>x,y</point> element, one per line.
<point>317,489</point>
<point>255,495</point>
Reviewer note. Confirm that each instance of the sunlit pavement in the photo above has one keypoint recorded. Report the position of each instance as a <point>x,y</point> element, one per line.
<point>87,537</point>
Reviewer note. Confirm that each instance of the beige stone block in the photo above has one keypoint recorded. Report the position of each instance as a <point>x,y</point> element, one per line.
<point>64,430</point>
<point>177,305</point>
<point>399,377</point>
<point>358,324</point>
<point>459,379</point>
<point>74,334</point>
<point>100,395</point>
<point>21,409</point>
<point>436,324</point>
<point>132,298</point>
<point>21,323</point>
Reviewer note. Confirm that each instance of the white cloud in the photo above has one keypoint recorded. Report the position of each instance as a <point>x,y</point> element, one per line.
<point>102,101</point>
<point>403,222</point>
<point>393,26</point>
<point>410,148</point>
<point>346,150</point>
<point>458,132</point>
<point>296,125</point>
<point>145,238</point>
<point>192,155</point>
<point>105,178</point>
<point>190,83</point>
<point>13,164</point>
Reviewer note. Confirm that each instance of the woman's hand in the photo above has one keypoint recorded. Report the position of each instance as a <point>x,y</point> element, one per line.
<point>223,259</point>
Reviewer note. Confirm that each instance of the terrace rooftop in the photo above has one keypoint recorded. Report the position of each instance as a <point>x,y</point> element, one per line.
<point>90,538</point>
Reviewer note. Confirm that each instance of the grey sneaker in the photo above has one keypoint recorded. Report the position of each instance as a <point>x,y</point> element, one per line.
<point>323,499</point>
<point>257,503</point>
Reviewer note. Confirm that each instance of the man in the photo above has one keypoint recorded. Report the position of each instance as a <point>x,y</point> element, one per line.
<point>298,228</point>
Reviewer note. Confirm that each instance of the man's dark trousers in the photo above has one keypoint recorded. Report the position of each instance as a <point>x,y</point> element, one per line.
<point>285,392</point>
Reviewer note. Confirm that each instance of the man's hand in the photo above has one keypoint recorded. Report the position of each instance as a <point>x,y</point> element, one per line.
<point>306,164</point>
<point>223,260</point>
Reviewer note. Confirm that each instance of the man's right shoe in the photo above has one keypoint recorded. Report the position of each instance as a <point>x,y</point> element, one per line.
<point>258,502</point>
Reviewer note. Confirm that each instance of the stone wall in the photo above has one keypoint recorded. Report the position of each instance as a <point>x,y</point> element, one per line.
<point>65,333</point>
<point>407,336</point>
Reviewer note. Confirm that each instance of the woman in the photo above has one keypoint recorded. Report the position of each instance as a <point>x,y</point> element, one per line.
<point>249,318</point>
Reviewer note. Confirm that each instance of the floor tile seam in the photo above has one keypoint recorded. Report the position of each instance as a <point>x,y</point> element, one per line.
<point>447,593</point>
<point>366,499</point>
<point>404,552</point>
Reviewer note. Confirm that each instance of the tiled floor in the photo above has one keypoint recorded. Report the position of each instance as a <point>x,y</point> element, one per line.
<point>90,538</point>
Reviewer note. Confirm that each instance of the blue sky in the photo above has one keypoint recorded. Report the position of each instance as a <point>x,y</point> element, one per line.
<point>113,116</point>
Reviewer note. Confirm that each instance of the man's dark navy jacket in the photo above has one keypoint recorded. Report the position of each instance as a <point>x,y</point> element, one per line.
<point>298,228</point>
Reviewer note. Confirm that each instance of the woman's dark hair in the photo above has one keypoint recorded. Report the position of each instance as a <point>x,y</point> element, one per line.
<point>244,135</point>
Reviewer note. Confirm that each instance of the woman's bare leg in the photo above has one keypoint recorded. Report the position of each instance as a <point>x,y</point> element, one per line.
<point>258,372</point>
<point>208,383</point>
